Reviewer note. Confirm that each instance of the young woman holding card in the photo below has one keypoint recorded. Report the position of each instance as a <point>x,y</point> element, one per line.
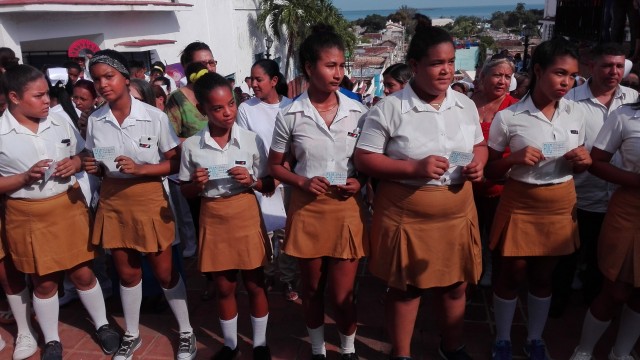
<point>325,224</point>
<point>47,217</point>
<point>224,164</point>
<point>425,144</point>
<point>535,221</point>
<point>134,215</point>
<point>618,245</point>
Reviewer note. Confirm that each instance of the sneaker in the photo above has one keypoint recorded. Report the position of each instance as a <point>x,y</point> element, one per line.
<point>26,345</point>
<point>289,293</point>
<point>52,351</point>
<point>261,353</point>
<point>108,339</point>
<point>187,346</point>
<point>501,350</point>
<point>128,346</point>
<point>349,356</point>
<point>458,354</point>
<point>579,355</point>
<point>613,356</point>
<point>536,350</point>
<point>227,354</point>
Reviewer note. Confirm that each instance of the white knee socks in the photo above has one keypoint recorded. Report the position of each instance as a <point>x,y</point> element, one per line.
<point>131,300</point>
<point>503,312</point>
<point>21,307</point>
<point>316,336</point>
<point>230,332</point>
<point>259,326</point>
<point>47,311</point>
<point>93,301</point>
<point>538,309</point>
<point>177,299</point>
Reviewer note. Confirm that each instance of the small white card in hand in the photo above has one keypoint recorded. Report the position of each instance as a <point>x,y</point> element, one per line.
<point>220,171</point>
<point>105,154</point>
<point>460,158</point>
<point>336,177</point>
<point>50,170</point>
<point>554,149</point>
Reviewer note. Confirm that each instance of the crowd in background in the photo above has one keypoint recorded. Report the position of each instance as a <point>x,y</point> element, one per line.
<point>518,178</point>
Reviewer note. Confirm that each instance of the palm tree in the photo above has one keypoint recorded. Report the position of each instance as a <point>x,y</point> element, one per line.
<point>290,17</point>
<point>292,20</point>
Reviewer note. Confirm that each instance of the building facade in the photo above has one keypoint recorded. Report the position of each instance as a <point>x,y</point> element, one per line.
<point>40,32</point>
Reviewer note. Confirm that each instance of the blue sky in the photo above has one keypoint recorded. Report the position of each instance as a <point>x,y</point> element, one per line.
<point>346,5</point>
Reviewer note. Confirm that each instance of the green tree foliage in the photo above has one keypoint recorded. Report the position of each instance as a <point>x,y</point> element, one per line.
<point>372,23</point>
<point>405,15</point>
<point>517,18</point>
<point>291,21</point>
<point>465,26</point>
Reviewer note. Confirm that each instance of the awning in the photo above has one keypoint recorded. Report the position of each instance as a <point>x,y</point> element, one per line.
<point>145,42</point>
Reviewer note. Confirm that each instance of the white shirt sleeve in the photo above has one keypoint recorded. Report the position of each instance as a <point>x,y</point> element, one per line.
<point>260,160</point>
<point>167,139</point>
<point>281,141</point>
<point>242,120</point>
<point>498,133</point>
<point>186,168</point>
<point>610,136</point>
<point>88,144</point>
<point>375,132</point>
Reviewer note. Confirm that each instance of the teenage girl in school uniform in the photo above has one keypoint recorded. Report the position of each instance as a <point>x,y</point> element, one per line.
<point>325,224</point>
<point>232,234</point>
<point>47,218</point>
<point>138,148</point>
<point>619,243</point>
<point>535,221</point>
<point>424,232</point>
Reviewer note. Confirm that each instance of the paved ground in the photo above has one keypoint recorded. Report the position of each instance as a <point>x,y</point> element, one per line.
<point>287,336</point>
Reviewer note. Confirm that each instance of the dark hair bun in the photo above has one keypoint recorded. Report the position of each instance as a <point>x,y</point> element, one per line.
<point>322,28</point>
<point>423,22</point>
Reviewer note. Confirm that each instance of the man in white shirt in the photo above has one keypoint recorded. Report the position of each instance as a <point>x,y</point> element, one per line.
<point>597,97</point>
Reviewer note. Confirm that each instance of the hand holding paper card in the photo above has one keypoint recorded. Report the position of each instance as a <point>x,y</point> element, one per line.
<point>336,177</point>
<point>554,149</point>
<point>50,170</point>
<point>105,154</point>
<point>220,171</point>
<point>459,158</point>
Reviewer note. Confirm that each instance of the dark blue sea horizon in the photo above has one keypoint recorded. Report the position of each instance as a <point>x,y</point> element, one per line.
<point>442,12</point>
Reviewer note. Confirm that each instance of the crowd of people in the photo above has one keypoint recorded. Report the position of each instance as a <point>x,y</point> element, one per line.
<point>512,185</point>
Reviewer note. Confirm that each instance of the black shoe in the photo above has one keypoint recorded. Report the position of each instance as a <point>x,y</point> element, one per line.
<point>349,356</point>
<point>400,358</point>
<point>226,353</point>
<point>459,354</point>
<point>108,339</point>
<point>318,357</point>
<point>261,353</point>
<point>52,351</point>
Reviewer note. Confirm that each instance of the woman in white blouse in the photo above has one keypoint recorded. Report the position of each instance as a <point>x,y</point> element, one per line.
<point>618,255</point>
<point>325,231</point>
<point>535,221</point>
<point>425,144</point>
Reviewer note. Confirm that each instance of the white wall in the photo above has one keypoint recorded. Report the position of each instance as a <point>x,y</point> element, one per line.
<point>227,26</point>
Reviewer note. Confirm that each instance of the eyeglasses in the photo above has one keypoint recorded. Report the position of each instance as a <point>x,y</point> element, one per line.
<point>209,62</point>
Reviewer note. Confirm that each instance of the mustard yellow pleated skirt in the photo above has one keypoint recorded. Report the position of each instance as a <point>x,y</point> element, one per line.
<point>325,225</point>
<point>425,236</point>
<point>619,243</point>
<point>49,235</point>
<point>232,234</point>
<point>134,214</point>
<point>536,220</point>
